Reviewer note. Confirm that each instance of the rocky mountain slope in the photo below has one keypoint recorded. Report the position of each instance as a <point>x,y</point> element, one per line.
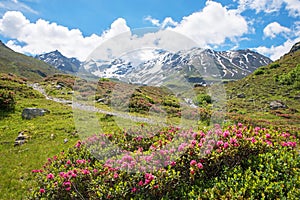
<point>59,61</point>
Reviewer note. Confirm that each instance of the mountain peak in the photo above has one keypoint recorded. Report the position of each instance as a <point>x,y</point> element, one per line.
<point>295,47</point>
<point>61,62</point>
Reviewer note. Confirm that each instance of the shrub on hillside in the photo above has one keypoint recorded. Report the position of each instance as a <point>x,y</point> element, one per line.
<point>202,99</point>
<point>259,71</point>
<point>235,163</point>
<point>7,100</point>
<point>291,78</point>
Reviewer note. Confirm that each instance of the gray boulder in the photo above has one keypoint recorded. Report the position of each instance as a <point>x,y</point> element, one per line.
<point>274,105</point>
<point>30,113</point>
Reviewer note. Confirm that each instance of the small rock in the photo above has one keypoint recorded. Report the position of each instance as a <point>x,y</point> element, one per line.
<point>58,87</point>
<point>277,104</point>
<point>30,113</point>
<point>21,139</point>
<point>66,140</point>
<point>297,97</point>
<point>100,100</point>
<point>242,95</point>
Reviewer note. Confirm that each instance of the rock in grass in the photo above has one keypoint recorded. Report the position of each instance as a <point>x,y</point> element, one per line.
<point>242,95</point>
<point>274,105</point>
<point>21,139</point>
<point>30,113</point>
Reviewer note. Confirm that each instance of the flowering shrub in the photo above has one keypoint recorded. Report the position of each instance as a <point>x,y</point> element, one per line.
<point>7,100</point>
<point>170,163</point>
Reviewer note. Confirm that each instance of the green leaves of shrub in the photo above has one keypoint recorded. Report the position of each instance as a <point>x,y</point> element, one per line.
<point>7,100</point>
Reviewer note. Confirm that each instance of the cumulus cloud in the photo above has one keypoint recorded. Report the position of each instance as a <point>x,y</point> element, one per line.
<point>43,36</point>
<point>274,28</point>
<point>275,52</point>
<point>213,25</point>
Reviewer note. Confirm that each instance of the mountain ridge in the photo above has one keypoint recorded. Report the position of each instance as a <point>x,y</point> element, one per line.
<point>22,65</point>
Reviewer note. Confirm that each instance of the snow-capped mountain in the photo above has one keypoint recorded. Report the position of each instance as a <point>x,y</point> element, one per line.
<point>193,64</point>
<point>59,61</point>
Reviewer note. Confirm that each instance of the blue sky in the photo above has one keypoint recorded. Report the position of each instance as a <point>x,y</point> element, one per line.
<point>76,27</point>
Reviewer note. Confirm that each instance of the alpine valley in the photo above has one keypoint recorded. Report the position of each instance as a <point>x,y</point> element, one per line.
<point>55,148</point>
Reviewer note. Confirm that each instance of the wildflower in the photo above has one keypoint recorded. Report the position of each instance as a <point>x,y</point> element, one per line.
<point>141,183</point>
<point>193,162</point>
<point>226,145</point>
<point>85,171</point>
<point>192,171</point>
<point>155,186</point>
<point>173,163</point>
<point>256,129</point>
<point>116,175</point>
<point>239,135</point>
<point>253,140</point>
<point>284,144</point>
<point>269,143</point>
<point>226,133</point>
<point>133,190</point>
<point>42,190</point>
<point>268,136</point>
<point>50,176</point>
<point>199,165</point>
<point>68,162</point>
<point>78,144</point>
<point>233,141</point>
<point>220,143</point>
<point>68,184</point>
<point>147,181</point>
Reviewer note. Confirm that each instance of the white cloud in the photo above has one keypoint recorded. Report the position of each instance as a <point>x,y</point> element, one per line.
<point>274,28</point>
<point>167,22</point>
<point>269,6</point>
<point>43,36</point>
<point>275,52</point>
<point>293,6</point>
<point>213,25</point>
<point>15,5</point>
<point>153,21</point>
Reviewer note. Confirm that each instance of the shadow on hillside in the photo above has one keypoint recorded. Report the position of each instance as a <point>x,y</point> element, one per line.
<point>5,113</point>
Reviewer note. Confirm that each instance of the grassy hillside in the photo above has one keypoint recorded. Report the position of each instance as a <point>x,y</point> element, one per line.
<point>249,99</point>
<point>24,66</point>
<point>17,162</point>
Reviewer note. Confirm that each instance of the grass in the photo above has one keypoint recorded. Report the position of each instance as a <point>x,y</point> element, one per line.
<point>17,162</point>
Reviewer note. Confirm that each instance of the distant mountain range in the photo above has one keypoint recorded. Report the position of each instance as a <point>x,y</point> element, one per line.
<point>224,64</point>
<point>195,64</point>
